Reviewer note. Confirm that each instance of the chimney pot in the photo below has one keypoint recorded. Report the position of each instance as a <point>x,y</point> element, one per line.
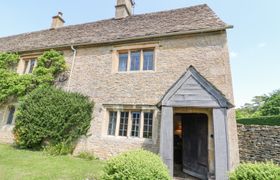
<point>57,21</point>
<point>124,8</point>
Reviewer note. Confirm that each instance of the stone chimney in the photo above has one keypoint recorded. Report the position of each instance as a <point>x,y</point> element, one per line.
<point>57,21</point>
<point>124,8</point>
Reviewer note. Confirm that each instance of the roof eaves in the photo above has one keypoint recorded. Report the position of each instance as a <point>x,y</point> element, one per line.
<point>171,34</point>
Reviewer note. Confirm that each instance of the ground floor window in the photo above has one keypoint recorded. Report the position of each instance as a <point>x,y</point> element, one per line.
<point>123,124</point>
<point>11,113</point>
<point>112,123</point>
<point>135,124</point>
<point>148,125</point>
<point>131,123</point>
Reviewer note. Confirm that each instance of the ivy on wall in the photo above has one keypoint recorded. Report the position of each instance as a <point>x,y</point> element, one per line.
<point>46,117</point>
<point>14,85</point>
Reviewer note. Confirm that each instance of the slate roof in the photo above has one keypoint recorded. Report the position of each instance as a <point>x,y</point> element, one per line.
<point>184,20</point>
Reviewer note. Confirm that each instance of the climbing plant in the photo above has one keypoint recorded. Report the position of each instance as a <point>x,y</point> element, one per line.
<point>14,85</point>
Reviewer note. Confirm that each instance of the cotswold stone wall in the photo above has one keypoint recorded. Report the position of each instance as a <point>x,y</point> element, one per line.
<point>93,75</point>
<point>6,134</point>
<point>259,143</point>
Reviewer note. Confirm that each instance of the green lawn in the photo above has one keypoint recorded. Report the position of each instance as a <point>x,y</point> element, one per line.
<point>27,165</point>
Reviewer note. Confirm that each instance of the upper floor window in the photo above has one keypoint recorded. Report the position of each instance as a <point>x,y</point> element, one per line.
<point>123,60</point>
<point>136,60</point>
<point>29,66</point>
<point>148,63</point>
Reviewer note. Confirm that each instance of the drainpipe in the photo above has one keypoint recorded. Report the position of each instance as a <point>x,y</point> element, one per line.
<point>72,66</point>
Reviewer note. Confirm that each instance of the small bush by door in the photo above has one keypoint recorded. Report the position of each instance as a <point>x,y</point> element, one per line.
<point>138,164</point>
<point>256,171</point>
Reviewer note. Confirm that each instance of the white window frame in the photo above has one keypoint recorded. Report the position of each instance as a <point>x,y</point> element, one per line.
<point>129,128</point>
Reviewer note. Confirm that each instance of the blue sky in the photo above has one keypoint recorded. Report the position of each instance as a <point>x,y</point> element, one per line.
<point>254,42</point>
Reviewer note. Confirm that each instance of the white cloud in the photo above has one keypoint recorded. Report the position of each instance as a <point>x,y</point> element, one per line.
<point>261,45</point>
<point>233,54</point>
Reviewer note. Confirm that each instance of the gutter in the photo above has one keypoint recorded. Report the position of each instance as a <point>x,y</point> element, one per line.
<point>72,67</point>
<point>119,41</point>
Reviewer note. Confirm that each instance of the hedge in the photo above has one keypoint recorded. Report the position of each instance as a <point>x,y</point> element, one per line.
<point>264,120</point>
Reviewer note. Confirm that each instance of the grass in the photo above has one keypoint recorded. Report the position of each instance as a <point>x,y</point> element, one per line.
<point>264,120</point>
<point>18,164</point>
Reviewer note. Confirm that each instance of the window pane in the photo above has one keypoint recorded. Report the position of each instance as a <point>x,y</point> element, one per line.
<point>135,124</point>
<point>135,61</point>
<point>12,110</point>
<point>123,124</point>
<point>32,65</point>
<point>123,58</point>
<point>112,123</point>
<point>148,63</point>
<point>25,67</point>
<point>148,125</point>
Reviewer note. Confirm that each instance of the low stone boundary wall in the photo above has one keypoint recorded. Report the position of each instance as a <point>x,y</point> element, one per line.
<point>259,143</point>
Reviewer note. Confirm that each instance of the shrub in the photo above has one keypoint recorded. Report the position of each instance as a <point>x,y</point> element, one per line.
<point>51,116</point>
<point>256,171</point>
<point>138,164</point>
<point>59,149</point>
<point>86,156</point>
<point>264,120</point>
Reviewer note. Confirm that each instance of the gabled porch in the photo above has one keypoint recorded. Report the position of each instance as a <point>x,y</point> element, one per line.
<point>194,128</point>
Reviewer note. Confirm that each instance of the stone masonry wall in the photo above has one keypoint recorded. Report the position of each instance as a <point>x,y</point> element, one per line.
<point>259,143</point>
<point>6,135</point>
<point>93,76</point>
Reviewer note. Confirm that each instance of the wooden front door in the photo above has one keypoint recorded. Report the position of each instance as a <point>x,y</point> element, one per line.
<point>195,145</point>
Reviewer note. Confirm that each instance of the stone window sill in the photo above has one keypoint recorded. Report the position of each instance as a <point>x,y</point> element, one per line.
<point>130,139</point>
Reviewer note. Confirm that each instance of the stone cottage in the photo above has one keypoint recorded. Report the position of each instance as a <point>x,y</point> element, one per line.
<point>160,81</point>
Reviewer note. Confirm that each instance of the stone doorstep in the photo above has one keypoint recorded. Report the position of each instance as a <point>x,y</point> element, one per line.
<point>188,178</point>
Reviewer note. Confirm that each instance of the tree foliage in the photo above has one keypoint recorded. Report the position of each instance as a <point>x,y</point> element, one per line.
<point>14,85</point>
<point>265,105</point>
<point>51,116</point>
<point>271,107</point>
